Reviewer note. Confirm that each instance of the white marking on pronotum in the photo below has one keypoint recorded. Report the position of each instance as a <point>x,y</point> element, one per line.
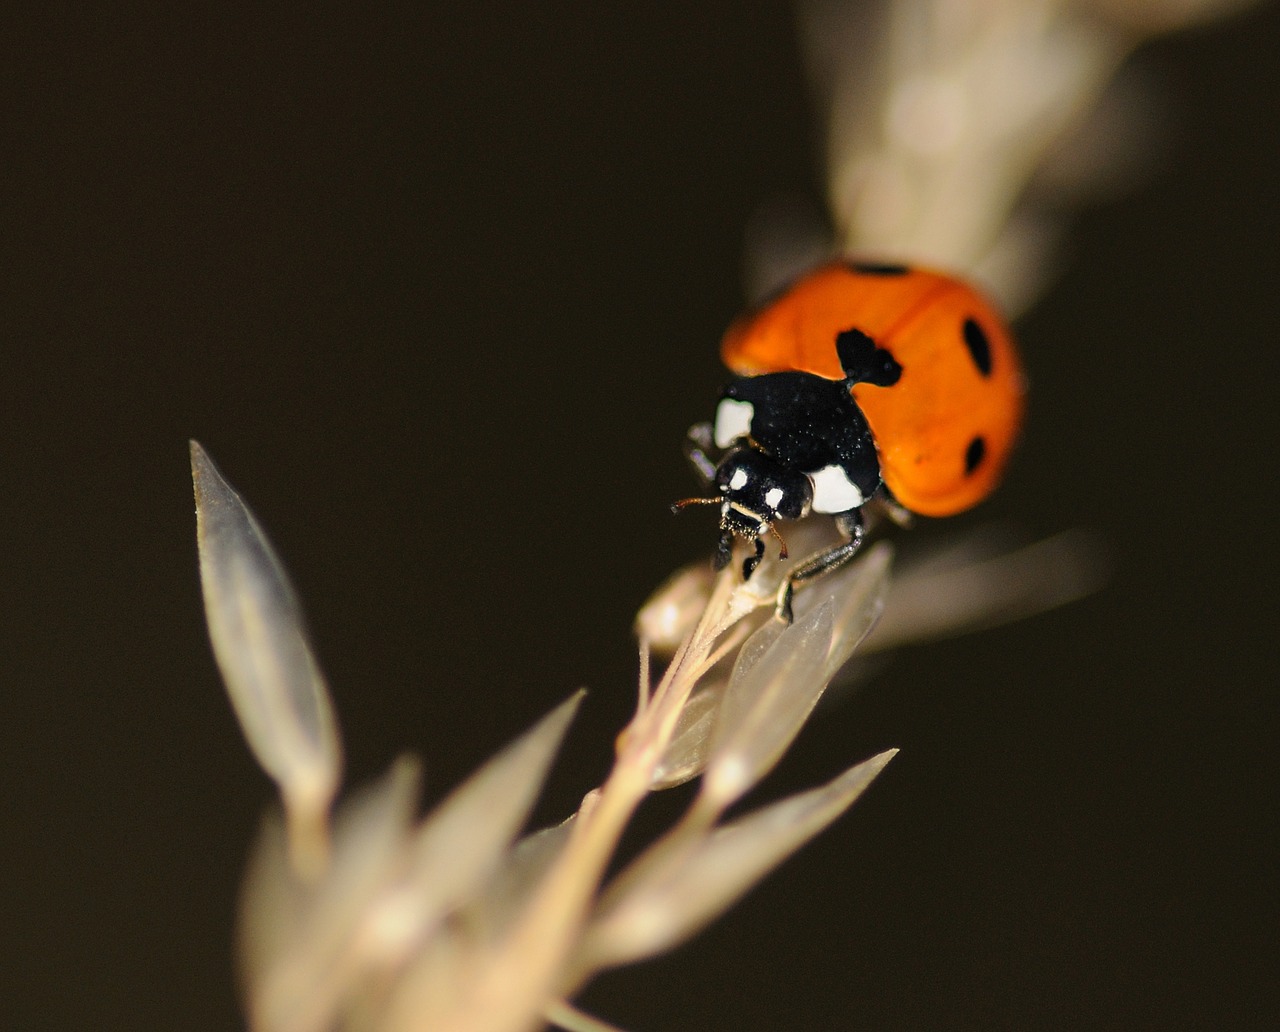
<point>739,479</point>
<point>833,491</point>
<point>773,496</point>
<point>733,420</point>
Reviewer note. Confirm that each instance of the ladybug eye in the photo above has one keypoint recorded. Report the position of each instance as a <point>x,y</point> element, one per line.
<point>975,339</point>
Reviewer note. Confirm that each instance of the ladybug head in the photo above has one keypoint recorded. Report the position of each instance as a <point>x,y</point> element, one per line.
<point>755,490</point>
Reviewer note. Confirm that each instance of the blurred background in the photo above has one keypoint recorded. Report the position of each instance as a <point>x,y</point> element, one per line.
<point>440,291</point>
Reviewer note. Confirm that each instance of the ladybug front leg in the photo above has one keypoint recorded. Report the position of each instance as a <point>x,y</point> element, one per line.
<point>697,443</point>
<point>851,528</point>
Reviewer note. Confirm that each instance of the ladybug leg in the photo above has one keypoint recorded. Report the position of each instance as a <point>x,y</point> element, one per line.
<point>697,443</point>
<point>851,527</point>
<point>893,510</point>
<point>750,563</point>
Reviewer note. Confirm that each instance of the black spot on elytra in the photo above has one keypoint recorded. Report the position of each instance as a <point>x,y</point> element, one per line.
<point>975,339</point>
<point>863,361</point>
<point>974,454</point>
<point>878,269</point>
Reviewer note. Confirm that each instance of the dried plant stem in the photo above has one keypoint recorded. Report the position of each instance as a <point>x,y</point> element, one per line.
<point>529,966</point>
<point>307,827</point>
<point>520,975</point>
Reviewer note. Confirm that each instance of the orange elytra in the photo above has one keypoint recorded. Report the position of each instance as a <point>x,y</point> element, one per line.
<point>945,428</point>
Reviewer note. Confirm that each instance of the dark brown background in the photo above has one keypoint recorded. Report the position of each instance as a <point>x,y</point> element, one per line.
<point>440,293</point>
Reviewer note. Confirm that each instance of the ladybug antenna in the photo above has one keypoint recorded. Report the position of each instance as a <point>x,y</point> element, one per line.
<point>750,563</point>
<point>782,545</point>
<point>684,503</point>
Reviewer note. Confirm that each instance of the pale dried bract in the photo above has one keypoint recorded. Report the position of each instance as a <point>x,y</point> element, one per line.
<point>271,674</point>
<point>682,895</point>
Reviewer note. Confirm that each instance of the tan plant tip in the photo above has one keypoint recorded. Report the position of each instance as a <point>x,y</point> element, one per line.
<point>981,582</point>
<point>675,899</point>
<point>260,643</point>
<point>461,844</point>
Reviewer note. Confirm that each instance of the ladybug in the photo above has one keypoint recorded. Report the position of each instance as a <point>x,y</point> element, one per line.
<point>859,383</point>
